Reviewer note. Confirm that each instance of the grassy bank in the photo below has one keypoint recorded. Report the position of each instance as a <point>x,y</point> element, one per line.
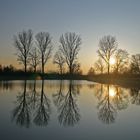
<point>121,80</point>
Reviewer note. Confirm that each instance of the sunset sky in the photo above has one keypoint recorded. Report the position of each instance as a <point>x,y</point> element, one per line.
<point>91,19</point>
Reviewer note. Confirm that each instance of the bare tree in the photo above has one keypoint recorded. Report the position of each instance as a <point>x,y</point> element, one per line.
<point>43,41</point>
<point>91,71</point>
<point>70,46</point>
<point>59,61</point>
<point>34,58</point>
<point>135,64</point>
<point>99,65</point>
<point>76,68</point>
<point>121,58</point>
<point>107,47</point>
<point>23,44</point>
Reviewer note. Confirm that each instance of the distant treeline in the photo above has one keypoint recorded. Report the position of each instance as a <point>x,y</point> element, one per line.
<point>9,72</point>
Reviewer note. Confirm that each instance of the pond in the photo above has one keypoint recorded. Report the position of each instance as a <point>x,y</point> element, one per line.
<point>66,110</point>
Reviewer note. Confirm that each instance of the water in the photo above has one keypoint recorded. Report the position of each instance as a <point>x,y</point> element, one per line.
<point>68,110</point>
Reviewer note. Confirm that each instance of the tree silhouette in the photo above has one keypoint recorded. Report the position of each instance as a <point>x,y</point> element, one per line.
<point>76,68</point>
<point>34,58</point>
<point>23,44</point>
<point>135,64</point>
<point>91,71</point>
<point>60,61</point>
<point>70,46</point>
<point>99,66</point>
<point>42,114</point>
<point>21,114</point>
<point>67,107</point>
<point>120,99</point>
<point>107,112</point>
<point>107,47</point>
<point>121,58</point>
<point>135,96</point>
<point>43,41</point>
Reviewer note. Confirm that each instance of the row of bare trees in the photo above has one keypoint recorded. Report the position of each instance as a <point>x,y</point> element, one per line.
<point>28,54</point>
<point>39,51</point>
<point>108,49</point>
<point>33,106</point>
<point>68,52</point>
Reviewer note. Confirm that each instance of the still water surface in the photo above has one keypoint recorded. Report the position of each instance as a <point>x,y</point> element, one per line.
<point>68,110</point>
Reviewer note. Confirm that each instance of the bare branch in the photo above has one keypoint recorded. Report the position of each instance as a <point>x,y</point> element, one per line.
<point>23,44</point>
<point>43,41</point>
<point>70,46</point>
<point>107,47</point>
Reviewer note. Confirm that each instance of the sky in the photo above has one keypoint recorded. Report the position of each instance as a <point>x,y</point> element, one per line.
<point>91,19</point>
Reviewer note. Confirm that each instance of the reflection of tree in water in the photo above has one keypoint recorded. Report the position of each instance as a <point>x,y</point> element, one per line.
<point>21,114</point>
<point>91,86</point>
<point>6,85</point>
<point>42,114</point>
<point>111,99</point>
<point>34,96</point>
<point>135,96</point>
<point>58,97</point>
<point>120,99</point>
<point>67,107</point>
<point>107,112</point>
<point>98,91</point>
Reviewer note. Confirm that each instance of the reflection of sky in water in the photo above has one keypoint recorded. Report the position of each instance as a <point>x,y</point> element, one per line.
<point>68,110</point>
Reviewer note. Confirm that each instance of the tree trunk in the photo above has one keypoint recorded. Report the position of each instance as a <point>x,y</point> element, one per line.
<point>108,69</point>
<point>42,91</point>
<point>25,68</point>
<point>42,68</point>
<point>35,69</point>
<point>61,70</point>
<point>101,70</point>
<point>70,69</point>
<point>35,66</point>
<point>117,70</point>
<point>42,64</point>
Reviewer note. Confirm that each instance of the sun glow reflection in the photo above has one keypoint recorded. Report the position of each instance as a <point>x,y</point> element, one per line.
<point>112,92</point>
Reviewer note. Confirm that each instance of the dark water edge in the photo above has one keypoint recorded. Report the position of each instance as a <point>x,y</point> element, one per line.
<point>45,77</point>
<point>121,80</point>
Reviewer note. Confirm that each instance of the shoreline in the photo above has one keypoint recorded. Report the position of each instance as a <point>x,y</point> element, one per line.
<point>124,81</point>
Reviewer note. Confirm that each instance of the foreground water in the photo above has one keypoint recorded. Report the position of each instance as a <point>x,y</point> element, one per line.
<point>66,110</point>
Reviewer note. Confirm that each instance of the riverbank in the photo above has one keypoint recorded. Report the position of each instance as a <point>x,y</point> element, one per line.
<point>121,80</point>
<point>38,76</point>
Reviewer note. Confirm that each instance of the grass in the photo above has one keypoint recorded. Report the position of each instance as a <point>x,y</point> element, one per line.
<point>121,80</point>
